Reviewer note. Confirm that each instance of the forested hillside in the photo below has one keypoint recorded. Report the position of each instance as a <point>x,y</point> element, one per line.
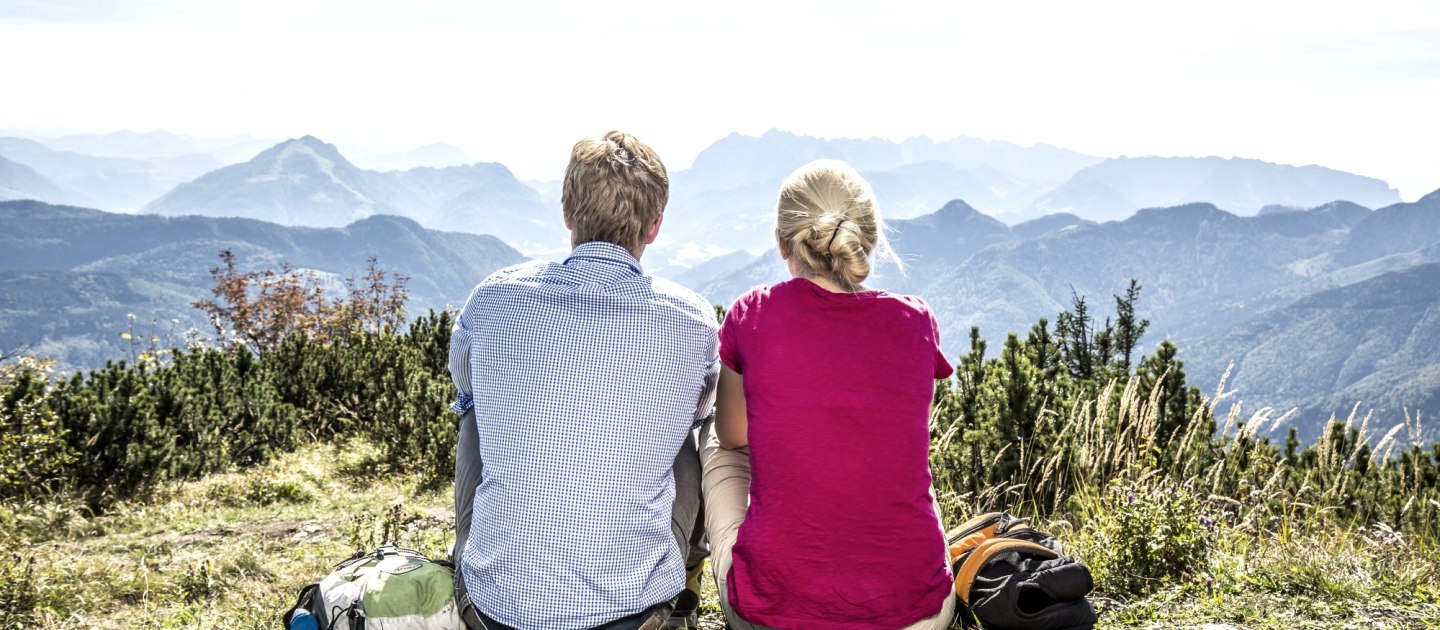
<point>73,278</point>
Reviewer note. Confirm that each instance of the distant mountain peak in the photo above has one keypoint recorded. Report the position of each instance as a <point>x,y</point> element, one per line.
<point>1340,205</point>
<point>1432,199</point>
<point>1190,212</point>
<point>325,148</point>
<point>957,207</point>
<point>957,215</point>
<point>325,156</point>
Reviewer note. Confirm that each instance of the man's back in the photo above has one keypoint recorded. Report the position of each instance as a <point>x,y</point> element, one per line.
<point>586,377</point>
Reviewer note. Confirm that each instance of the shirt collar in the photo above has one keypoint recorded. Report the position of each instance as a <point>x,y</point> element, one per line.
<point>607,253</point>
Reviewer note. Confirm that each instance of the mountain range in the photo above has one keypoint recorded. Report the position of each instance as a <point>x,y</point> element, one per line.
<point>153,144</point>
<point>1351,293</point>
<point>18,181</point>
<point>119,184</point>
<point>722,203</point>
<point>727,197</point>
<point>307,182</point>
<point>70,277</point>
<point>1114,189</point>
<point>1241,260</point>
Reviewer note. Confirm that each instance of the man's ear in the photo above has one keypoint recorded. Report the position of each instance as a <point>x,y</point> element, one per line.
<point>654,229</point>
<point>568,226</point>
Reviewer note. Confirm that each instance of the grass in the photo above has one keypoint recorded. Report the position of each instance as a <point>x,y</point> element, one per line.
<point>1336,578</point>
<point>232,550</point>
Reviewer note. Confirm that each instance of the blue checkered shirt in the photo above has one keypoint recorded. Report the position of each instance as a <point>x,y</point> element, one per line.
<point>587,375</point>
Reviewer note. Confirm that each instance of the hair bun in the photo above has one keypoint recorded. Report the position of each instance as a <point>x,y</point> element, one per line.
<point>827,213</point>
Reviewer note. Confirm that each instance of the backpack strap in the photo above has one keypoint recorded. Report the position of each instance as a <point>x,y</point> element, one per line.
<point>970,568</point>
<point>304,601</point>
<point>357,616</point>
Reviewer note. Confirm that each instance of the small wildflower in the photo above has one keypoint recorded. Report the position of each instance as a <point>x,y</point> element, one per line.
<point>124,335</point>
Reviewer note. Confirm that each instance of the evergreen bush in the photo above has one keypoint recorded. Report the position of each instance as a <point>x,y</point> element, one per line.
<point>1145,534</point>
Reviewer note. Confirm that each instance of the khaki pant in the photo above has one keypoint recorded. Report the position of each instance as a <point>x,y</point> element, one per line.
<point>725,487</point>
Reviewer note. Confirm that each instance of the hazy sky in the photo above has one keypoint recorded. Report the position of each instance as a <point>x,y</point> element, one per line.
<point>1350,85</point>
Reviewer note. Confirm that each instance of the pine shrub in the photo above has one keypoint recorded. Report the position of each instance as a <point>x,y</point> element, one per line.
<point>1145,534</point>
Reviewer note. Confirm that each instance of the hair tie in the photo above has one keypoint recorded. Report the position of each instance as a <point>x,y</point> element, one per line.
<point>832,237</point>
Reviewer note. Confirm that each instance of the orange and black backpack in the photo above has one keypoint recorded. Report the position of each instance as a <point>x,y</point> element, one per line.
<point>1008,575</point>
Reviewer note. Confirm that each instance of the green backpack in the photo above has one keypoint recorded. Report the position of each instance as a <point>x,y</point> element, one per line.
<point>388,589</point>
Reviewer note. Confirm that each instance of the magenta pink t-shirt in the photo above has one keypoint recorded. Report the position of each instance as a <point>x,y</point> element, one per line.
<point>842,531</point>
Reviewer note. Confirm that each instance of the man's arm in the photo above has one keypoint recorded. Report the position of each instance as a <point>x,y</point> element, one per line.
<point>705,406</point>
<point>467,442</point>
<point>460,356</point>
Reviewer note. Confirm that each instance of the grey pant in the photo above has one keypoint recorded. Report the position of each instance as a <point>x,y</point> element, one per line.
<point>686,515</point>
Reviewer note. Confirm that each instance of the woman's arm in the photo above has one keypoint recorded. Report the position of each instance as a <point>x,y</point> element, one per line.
<point>731,423</point>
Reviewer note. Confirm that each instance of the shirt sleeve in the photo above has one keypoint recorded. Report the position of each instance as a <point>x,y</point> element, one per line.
<point>460,357</point>
<point>730,350</point>
<point>943,369</point>
<point>705,407</point>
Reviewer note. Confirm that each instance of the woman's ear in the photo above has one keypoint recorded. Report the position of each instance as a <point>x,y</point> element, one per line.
<point>784,246</point>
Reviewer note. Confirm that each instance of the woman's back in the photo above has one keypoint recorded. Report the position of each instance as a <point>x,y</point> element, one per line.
<point>841,525</point>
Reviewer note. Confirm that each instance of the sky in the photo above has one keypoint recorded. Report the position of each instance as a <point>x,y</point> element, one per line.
<point>1348,85</point>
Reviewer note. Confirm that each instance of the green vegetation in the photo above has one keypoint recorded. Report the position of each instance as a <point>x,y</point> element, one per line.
<point>203,487</point>
<point>1182,518</point>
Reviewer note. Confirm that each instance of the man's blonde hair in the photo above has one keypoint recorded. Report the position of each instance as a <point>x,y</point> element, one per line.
<point>827,214</point>
<point>615,189</point>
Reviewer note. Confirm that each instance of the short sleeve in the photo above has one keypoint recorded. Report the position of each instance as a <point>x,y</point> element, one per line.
<point>943,369</point>
<point>730,344</point>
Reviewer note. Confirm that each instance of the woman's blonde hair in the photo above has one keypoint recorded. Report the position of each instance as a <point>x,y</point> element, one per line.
<point>827,214</point>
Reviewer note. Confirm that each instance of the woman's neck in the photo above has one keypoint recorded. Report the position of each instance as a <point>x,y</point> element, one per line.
<point>800,271</point>
<point>831,285</point>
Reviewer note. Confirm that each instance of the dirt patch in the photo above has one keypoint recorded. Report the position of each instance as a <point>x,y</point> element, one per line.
<point>199,537</point>
<point>293,531</point>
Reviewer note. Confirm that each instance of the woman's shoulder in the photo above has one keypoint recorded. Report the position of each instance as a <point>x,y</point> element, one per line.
<point>907,302</point>
<point>760,295</point>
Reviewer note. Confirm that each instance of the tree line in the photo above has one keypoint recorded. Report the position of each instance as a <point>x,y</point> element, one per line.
<point>1061,413</point>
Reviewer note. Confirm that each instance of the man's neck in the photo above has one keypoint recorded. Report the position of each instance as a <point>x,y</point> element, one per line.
<point>633,252</point>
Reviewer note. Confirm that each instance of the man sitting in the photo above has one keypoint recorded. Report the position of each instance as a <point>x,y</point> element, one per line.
<point>577,481</point>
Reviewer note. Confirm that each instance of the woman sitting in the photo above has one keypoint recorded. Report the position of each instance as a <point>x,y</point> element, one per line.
<point>823,425</point>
